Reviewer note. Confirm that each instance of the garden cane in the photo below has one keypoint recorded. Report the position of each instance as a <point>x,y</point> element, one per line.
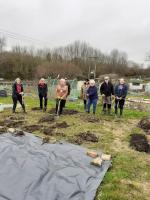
<point>58,108</point>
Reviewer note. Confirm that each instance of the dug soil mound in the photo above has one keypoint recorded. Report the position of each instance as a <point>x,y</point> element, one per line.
<point>13,121</point>
<point>88,136</point>
<point>145,124</point>
<point>3,129</point>
<point>51,132</point>
<point>47,118</point>
<point>65,111</point>
<point>84,137</point>
<point>62,125</point>
<point>91,119</point>
<point>32,128</point>
<point>48,131</point>
<point>139,142</point>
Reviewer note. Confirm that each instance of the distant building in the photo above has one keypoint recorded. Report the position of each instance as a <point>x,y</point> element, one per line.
<point>136,85</point>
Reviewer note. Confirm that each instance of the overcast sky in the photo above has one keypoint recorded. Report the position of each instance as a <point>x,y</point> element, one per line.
<point>104,24</point>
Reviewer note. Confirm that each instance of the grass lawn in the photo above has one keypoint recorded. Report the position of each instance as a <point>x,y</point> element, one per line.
<point>129,176</point>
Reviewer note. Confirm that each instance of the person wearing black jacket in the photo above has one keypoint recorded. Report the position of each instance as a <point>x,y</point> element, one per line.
<point>42,90</point>
<point>17,94</point>
<point>107,90</point>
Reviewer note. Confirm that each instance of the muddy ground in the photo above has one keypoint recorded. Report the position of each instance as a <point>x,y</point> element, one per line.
<point>84,137</point>
<point>145,124</point>
<point>139,142</point>
<point>65,111</point>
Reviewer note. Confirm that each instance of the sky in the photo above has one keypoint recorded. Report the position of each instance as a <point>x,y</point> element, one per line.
<point>104,24</point>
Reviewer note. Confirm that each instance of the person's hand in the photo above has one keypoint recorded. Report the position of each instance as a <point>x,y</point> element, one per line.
<point>21,93</point>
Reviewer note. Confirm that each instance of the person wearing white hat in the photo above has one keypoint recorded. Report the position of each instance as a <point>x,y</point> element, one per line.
<point>92,96</point>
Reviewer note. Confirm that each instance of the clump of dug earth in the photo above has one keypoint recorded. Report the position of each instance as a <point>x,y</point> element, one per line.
<point>84,137</point>
<point>62,125</point>
<point>139,142</point>
<point>65,111</point>
<point>13,121</point>
<point>145,124</point>
<point>32,128</point>
<point>91,119</point>
<point>88,136</point>
<point>3,129</point>
<point>47,118</point>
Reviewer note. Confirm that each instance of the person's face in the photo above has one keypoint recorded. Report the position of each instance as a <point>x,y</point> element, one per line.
<point>62,82</point>
<point>122,81</point>
<point>92,84</point>
<point>18,81</point>
<point>106,80</point>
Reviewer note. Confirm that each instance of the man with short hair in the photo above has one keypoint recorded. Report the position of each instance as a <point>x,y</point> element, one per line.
<point>120,95</point>
<point>107,90</point>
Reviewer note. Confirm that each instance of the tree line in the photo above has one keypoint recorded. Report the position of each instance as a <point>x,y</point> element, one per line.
<point>71,61</point>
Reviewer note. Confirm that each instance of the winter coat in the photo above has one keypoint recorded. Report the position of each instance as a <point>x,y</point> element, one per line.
<point>107,89</point>
<point>121,91</point>
<point>42,89</point>
<point>92,93</point>
<point>14,90</point>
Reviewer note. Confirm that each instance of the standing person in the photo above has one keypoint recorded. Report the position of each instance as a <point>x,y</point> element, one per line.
<point>42,90</point>
<point>92,96</point>
<point>84,89</point>
<point>61,96</point>
<point>120,94</point>
<point>17,94</point>
<point>107,90</point>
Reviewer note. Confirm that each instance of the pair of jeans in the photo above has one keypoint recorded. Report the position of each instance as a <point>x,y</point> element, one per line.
<point>91,102</point>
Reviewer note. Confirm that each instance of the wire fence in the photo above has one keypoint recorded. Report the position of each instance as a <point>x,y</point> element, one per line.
<point>31,88</point>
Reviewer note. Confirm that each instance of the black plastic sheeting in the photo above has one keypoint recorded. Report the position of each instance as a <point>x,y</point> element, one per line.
<point>32,171</point>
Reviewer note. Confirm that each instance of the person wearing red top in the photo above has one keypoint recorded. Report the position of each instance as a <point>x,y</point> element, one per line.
<point>17,93</point>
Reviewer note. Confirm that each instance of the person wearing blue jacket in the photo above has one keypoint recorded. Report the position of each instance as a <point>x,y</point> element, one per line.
<point>120,95</point>
<point>92,96</point>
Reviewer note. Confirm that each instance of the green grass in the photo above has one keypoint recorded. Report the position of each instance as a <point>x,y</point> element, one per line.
<point>129,176</point>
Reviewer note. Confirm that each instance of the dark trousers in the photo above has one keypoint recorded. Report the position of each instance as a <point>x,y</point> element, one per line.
<point>119,103</point>
<point>85,102</point>
<point>41,97</point>
<point>15,99</point>
<point>60,104</point>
